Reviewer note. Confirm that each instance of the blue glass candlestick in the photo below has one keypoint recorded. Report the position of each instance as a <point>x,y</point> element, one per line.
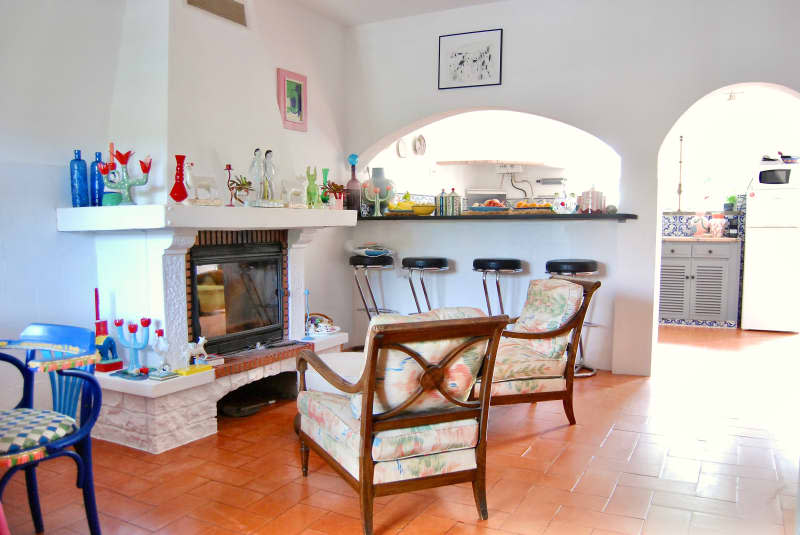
<point>96,185</point>
<point>78,181</point>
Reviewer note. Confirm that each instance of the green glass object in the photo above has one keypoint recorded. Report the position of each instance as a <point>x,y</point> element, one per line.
<point>312,191</point>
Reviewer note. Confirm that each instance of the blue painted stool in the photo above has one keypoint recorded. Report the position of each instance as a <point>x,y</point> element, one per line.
<point>30,436</point>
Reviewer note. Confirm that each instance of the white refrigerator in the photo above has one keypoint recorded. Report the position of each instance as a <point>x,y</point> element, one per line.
<point>771,293</point>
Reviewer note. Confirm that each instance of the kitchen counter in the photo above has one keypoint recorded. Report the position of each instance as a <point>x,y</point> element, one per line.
<point>697,239</point>
<point>503,215</point>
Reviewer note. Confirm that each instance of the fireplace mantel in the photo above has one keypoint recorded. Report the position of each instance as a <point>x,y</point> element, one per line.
<point>178,216</point>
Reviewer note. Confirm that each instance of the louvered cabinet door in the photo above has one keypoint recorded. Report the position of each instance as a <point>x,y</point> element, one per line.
<point>709,279</point>
<point>673,303</point>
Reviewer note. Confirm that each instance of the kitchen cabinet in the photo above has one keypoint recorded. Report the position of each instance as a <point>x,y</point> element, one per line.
<point>699,280</point>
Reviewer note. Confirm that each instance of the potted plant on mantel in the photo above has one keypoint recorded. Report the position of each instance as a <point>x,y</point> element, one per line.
<point>730,203</point>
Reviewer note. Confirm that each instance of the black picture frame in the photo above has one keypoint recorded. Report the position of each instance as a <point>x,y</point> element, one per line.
<point>451,43</point>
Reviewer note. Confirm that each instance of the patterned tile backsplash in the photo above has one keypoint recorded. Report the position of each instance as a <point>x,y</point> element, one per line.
<point>681,225</point>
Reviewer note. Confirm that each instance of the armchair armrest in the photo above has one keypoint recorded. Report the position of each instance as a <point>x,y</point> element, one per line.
<point>27,380</point>
<point>307,357</point>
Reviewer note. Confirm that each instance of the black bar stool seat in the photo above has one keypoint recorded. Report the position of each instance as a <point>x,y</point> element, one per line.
<point>364,264</point>
<point>575,267</point>
<point>423,264</point>
<point>497,266</point>
<point>371,261</point>
<point>572,266</point>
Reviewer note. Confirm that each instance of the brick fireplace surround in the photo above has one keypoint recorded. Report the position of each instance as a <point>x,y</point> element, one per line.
<point>142,262</point>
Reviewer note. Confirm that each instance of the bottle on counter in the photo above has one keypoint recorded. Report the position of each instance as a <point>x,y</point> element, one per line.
<point>352,190</point>
<point>79,182</point>
<point>453,203</point>
<point>441,203</point>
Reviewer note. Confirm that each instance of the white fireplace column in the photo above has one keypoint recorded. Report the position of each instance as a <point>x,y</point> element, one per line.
<point>298,242</point>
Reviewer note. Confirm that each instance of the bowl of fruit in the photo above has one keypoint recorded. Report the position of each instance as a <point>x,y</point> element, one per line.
<point>533,206</point>
<point>423,209</point>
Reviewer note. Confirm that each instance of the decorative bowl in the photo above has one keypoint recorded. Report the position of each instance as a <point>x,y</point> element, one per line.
<point>423,209</point>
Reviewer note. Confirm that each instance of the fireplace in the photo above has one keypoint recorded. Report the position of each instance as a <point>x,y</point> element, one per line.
<point>237,294</point>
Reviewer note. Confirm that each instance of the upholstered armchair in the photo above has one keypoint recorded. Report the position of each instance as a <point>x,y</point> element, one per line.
<point>397,417</point>
<point>536,355</point>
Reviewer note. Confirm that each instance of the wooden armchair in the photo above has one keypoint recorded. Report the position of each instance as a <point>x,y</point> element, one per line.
<point>405,423</point>
<point>536,356</point>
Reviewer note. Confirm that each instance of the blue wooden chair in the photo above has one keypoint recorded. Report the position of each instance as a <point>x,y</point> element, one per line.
<point>30,436</point>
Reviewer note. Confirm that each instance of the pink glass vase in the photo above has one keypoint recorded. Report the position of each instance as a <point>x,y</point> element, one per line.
<point>178,191</point>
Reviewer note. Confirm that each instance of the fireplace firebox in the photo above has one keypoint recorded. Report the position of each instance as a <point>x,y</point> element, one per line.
<point>237,295</point>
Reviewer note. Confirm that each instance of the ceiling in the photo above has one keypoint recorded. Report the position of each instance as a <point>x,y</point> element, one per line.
<point>354,12</point>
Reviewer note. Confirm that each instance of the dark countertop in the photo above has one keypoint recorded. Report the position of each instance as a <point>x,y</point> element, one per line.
<point>504,216</point>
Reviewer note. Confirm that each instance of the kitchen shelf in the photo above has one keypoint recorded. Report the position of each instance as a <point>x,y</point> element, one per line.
<point>488,162</point>
<point>501,216</point>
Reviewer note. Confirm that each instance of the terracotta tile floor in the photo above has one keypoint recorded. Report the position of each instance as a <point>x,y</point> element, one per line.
<point>709,444</point>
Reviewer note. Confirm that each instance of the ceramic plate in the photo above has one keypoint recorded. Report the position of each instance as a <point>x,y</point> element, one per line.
<point>488,209</point>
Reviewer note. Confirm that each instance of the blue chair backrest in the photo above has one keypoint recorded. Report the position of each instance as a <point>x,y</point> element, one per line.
<point>57,342</point>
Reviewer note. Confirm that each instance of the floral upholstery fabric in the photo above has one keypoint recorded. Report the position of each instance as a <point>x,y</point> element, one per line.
<point>24,429</point>
<point>550,304</point>
<point>343,451</point>
<point>331,414</point>
<point>397,374</point>
<point>526,386</point>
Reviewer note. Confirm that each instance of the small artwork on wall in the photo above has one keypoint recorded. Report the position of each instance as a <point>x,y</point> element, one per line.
<point>293,100</point>
<point>470,59</point>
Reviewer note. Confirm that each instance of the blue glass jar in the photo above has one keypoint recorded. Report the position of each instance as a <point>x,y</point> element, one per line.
<point>96,185</point>
<point>79,181</point>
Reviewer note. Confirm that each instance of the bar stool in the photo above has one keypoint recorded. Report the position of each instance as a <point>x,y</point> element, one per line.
<point>575,267</point>
<point>364,264</point>
<point>498,266</point>
<point>423,264</point>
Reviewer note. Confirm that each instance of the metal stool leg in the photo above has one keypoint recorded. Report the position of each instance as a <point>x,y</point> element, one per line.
<point>424,290</point>
<point>361,293</point>
<point>413,291</point>
<point>486,293</point>
<point>371,295</point>
<point>579,363</point>
<point>499,295</point>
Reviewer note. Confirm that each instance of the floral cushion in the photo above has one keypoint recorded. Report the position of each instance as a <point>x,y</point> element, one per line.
<point>331,414</point>
<point>346,454</point>
<point>25,429</point>
<point>526,386</point>
<point>550,304</point>
<point>397,374</point>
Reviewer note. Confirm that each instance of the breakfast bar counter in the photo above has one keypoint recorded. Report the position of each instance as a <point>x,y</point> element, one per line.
<point>504,216</point>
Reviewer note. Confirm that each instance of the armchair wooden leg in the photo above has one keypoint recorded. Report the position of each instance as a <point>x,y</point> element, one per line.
<point>568,409</point>
<point>33,498</point>
<point>479,491</point>
<point>304,457</point>
<point>84,449</point>
<point>367,498</point>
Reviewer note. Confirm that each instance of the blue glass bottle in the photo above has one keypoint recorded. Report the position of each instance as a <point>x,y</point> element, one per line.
<point>96,185</point>
<point>79,181</point>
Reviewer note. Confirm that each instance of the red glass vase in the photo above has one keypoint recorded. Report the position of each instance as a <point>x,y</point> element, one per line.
<point>178,191</point>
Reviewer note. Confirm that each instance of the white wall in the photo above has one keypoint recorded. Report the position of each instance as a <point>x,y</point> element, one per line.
<point>222,104</point>
<point>623,71</point>
<point>56,96</point>
<point>724,139</point>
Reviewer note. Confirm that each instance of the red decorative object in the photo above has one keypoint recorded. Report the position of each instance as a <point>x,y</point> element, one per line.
<point>108,367</point>
<point>178,192</point>
<point>123,158</point>
<point>145,322</point>
<point>132,328</point>
<point>160,332</point>
<point>101,328</point>
<point>119,323</point>
<point>144,370</point>
<point>229,183</point>
<point>103,168</point>
<point>145,164</point>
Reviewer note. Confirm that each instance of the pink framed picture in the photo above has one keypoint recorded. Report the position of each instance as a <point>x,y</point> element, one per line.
<point>293,100</point>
